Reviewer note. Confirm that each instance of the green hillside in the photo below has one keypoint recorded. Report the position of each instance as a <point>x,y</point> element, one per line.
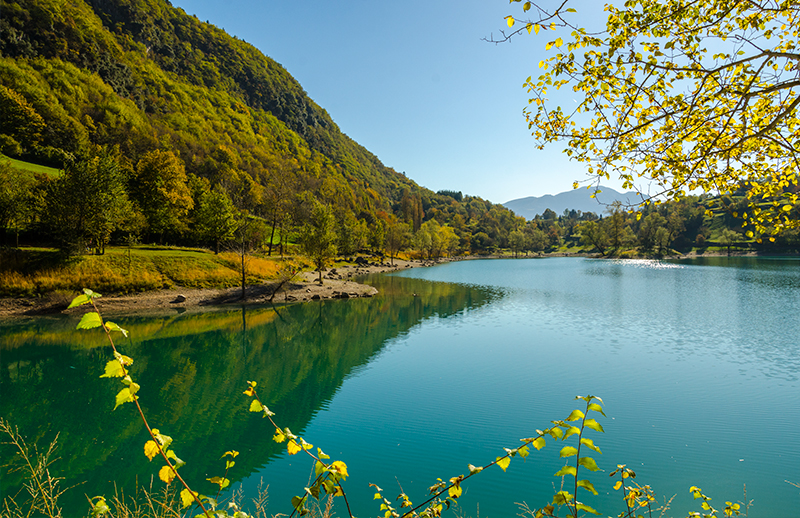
<point>128,78</point>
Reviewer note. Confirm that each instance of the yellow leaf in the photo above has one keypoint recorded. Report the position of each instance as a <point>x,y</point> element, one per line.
<point>186,498</point>
<point>166,474</point>
<point>541,63</point>
<point>529,27</point>
<point>536,28</point>
<point>503,462</point>
<point>455,490</point>
<point>255,406</point>
<point>549,45</point>
<point>150,449</point>
<point>293,447</point>
<point>510,21</point>
<point>618,485</point>
<point>341,467</point>
<point>279,436</point>
<point>559,42</point>
<point>539,443</point>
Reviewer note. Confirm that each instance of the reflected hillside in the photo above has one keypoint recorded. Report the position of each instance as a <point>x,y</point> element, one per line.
<point>192,369</point>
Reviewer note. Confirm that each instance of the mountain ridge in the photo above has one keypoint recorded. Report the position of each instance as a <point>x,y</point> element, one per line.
<point>576,199</point>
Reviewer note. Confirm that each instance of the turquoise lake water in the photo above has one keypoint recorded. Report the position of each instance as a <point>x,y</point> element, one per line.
<point>698,363</point>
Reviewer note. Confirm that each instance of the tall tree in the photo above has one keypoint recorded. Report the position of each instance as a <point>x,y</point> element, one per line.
<point>687,94</point>
<point>318,237</point>
<point>216,217</point>
<point>160,187</point>
<point>15,199</point>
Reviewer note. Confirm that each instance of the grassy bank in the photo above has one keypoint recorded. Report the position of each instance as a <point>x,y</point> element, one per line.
<point>38,271</point>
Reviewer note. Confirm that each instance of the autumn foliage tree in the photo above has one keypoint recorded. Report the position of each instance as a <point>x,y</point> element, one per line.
<point>675,97</point>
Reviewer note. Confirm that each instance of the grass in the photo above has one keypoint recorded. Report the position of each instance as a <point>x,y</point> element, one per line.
<point>34,168</point>
<point>36,272</point>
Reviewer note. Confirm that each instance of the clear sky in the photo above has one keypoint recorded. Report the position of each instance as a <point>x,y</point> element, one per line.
<point>413,82</point>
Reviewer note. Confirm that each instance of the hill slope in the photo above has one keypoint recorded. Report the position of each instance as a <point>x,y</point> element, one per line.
<point>140,75</point>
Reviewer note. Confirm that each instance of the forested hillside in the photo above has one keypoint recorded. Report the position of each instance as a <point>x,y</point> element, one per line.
<point>182,122</point>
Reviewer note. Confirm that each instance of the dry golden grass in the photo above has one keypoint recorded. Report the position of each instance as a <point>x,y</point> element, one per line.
<point>123,270</point>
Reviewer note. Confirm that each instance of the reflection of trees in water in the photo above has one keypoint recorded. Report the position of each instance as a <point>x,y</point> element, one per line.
<point>192,369</point>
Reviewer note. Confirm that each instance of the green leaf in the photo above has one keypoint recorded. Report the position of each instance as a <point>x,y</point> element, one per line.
<point>587,485</point>
<point>318,468</point>
<point>596,408</point>
<point>503,462</point>
<point>572,430</point>
<point>321,454</point>
<point>568,451</point>
<point>590,444</point>
<point>124,396</point>
<point>113,370</point>
<point>474,469</point>
<point>575,415</point>
<point>256,406</point>
<point>111,326</point>
<point>220,481</point>
<point>594,425</point>
<point>588,463</point>
<point>100,507</point>
<point>584,507</point>
<point>89,321</point>
<point>566,470</point>
<point>80,300</point>
<point>298,501</point>
<point>562,497</point>
<point>523,451</point>
<point>229,464</point>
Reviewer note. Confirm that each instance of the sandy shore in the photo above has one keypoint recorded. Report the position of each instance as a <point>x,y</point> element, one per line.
<point>338,283</point>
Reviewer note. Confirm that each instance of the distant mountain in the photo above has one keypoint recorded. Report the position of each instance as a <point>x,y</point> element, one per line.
<point>577,199</point>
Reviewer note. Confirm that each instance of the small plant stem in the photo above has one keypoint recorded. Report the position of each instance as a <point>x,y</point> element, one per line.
<point>144,420</point>
<point>19,442</point>
<point>578,465</point>
<point>338,482</point>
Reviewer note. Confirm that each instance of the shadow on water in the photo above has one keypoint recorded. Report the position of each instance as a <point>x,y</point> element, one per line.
<point>192,369</point>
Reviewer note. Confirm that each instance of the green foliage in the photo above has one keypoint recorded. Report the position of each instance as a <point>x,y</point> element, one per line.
<point>318,237</point>
<point>88,203</point>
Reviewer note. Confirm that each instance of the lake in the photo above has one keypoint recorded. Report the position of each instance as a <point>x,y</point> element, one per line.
<point>698,363</point>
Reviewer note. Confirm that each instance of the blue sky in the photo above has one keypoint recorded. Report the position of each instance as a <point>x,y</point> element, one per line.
<point>414,83</point>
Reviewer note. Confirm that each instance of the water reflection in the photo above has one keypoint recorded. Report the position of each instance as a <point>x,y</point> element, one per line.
<point>192,368</point>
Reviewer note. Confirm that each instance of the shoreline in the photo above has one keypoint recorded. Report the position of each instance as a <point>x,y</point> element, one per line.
<point>338,284</point>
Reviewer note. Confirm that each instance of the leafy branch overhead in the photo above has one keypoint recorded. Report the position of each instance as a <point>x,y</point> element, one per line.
<point>676,97</point>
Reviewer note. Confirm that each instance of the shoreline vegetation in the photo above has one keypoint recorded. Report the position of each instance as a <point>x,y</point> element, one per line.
<point>341,281</point>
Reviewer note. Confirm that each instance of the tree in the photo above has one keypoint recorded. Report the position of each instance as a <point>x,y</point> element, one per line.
<point>687,95</point>
<point>318,237</point>
<point>516,241</point>
<point>160,187</point>
<point>216,217</point>
<point>397,237</point>
<point>728,238</point>
<point>87,203</point>
<point>592,234</point>
<point>15,199</point>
